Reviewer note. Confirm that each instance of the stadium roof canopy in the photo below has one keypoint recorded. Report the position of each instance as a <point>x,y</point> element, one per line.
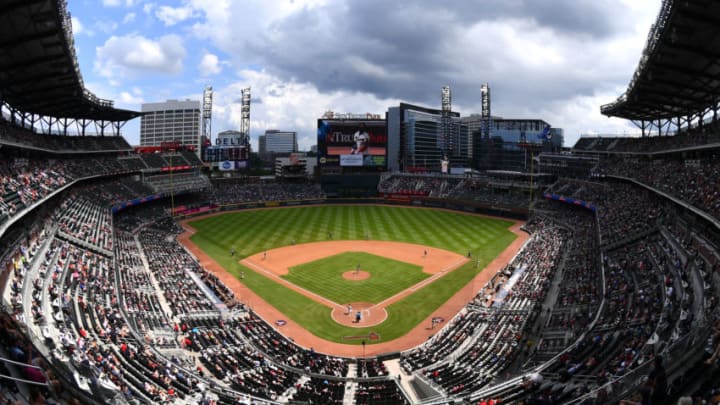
<point>39,73</point>
<point>679,71</point>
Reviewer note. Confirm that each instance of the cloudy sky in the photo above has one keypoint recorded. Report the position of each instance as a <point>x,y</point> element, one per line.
<point>557,60</point>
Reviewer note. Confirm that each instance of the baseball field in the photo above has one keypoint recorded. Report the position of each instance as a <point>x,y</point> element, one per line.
<point>400,264</point>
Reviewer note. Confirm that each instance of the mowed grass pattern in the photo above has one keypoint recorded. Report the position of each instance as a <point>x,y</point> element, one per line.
<point>251,232</point>
<point>325,277</point>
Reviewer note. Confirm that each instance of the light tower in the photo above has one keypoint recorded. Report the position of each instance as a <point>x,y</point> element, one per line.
<point>485,113</point>
<point>207,115</point>
<point>245,114</point>
<point>446,130</point>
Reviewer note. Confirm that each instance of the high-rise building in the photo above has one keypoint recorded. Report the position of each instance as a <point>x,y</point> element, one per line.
<point>419,139</point>
<point>512,142</point>
<point>170,121</point>
<point>277,142</point>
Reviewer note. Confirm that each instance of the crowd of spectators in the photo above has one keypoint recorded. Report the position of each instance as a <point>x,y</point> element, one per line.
<point>490,334</point>
<point>139,299</point>
<point>320,391</point>
<point>694,138</point>
<point>371,368</point>
<point>228,358</point>
<point>18,136</point>
<point>85,221</point>
<point>648,284</point>
<point>86,325</point>
<point>379,393</point>
<point>232,191</point>
<point>484,192</point>
<point>485,188</point>
<point>624,210</point>
<point>171,267</point>
<point>419,184</point>
<point>138,217</point>
<point>75,308</point>
<point>23,183</point>
<point>651,301</point>
<point>443,343</point>
<point>580,292</point>
<point>271,342</point>
<point>695,181</point>
<point>178,183</point>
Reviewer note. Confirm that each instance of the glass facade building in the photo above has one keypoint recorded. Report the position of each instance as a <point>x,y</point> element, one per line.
<point>417,142</point>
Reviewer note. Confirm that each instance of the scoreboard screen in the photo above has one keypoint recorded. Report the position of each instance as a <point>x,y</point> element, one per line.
<point>352,143</point>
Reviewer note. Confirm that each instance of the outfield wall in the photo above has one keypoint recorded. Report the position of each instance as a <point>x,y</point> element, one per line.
<point>455,205</point>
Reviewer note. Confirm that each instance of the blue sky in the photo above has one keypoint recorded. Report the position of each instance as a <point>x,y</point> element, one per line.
<point>557,60</point>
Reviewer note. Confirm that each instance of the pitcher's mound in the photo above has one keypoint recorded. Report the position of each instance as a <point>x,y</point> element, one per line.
<point>356,275</point>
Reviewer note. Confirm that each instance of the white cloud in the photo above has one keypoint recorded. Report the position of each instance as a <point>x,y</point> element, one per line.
<point>287,105</point>
<point>133,55</point>
<point>77,26</point>
<point>116,3</point>
<point>129,17</point>
<point>209,65</point>
<point>173,15</point>
<point>129,98</point>
<point>106,26</point>
<point>537,66</point>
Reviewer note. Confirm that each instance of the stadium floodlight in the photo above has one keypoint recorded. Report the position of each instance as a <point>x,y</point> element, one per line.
<point>245,113</point>
<point>207,113</point>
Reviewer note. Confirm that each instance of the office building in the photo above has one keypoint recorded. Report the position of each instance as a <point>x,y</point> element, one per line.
<point>275,142</point>
<point>170,121</point>
<point>416,141</point>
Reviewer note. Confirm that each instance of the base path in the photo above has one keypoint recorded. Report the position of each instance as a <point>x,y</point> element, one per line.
<point>275,263</point>
<point>304,338</point>
<point>279,260</point>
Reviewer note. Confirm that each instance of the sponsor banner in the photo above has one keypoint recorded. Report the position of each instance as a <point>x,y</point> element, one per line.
<point>351,160</point>
<point>569,200</point>
<point>175,168</point>
<point>137,201</point>
<point>226,166</point>
<point>230,165</point>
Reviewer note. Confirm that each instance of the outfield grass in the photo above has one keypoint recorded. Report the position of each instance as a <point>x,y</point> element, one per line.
<point>250,232</point>
<point>325,277</point>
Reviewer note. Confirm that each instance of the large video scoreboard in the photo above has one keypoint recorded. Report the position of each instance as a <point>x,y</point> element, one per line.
<point>352,143</point>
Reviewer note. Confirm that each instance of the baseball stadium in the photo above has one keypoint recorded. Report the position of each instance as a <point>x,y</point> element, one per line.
<point>389,272</point>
